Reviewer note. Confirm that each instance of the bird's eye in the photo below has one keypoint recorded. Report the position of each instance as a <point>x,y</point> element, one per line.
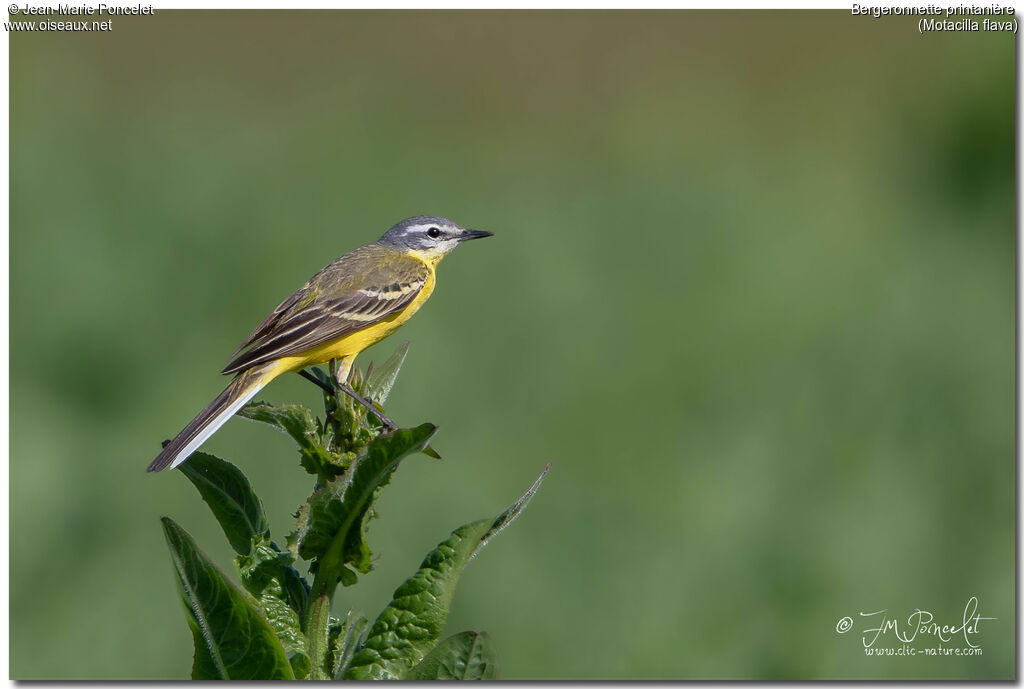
<point>433,233</point>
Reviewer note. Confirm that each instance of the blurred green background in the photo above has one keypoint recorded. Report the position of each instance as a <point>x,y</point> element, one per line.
<point>751,294</point>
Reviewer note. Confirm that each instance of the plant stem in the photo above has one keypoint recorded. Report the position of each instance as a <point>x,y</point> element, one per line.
<point>332,562</point>
<point>317,630</point>
<point>324,585</point>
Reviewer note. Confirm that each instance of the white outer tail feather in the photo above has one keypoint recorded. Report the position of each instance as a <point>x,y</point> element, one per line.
<point>215,423</point>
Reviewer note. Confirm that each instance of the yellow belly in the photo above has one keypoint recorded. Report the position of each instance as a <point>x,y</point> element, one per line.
<point>353,343</point>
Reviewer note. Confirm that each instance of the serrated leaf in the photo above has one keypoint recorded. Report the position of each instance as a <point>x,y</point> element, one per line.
<point>333,515</point>
<point>464,656</point>
<point>412,623</point>
<point>379,381</point>
<point>298,422</point>
<point>232,639</point>
<point>334,630</point>
<point>231,498</point>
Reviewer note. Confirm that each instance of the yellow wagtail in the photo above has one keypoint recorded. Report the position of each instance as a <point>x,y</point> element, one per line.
<point>354,302</point>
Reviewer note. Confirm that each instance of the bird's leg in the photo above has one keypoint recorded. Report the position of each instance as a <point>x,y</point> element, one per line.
<point>389,425</point>
<point>330,398</point>
<point>340,368</point>
<point>319,383</point>
<point>341,372</point>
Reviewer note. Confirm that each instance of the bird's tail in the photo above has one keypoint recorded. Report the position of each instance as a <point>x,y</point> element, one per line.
<point>239,391</point>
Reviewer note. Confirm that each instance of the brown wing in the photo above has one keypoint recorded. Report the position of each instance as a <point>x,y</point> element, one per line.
<point>302,296</point>
<point>354,292</point>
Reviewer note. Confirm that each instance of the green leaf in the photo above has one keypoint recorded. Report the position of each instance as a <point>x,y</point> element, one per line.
<point>321,375</point>
<point>333,516</point>
<point>380,381</point>
<point>346,641</point>
<point>231,499</point>
<point>268,569</point>
<point>410,626</point>
<point>300,664</point>
<point>298,422</point>
<point>281,594</point>
<point>348,577</point>
<point>468,655</point>
<point>232,639</point>
<point>502,521</point>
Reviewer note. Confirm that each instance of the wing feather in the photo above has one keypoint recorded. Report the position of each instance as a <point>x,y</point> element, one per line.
<point>300,295</point>
<point>349,298</point>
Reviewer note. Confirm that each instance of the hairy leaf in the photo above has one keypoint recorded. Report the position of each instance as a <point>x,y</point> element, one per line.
<point>411,625</point>
<point>380,381</point>
<point>231,499</point>
<point>467,655</point>
<point>333,516</point>
<point>232,640</point>
<point>298,422</point>
<point>346,639</point>
<point>508,516</point>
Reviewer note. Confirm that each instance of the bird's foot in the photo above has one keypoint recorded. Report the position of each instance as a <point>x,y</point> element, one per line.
<point>387,424</point>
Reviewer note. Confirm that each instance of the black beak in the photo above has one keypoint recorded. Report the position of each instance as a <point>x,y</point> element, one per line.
<point>474,234</point>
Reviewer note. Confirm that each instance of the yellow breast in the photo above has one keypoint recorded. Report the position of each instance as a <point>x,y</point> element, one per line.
<point>353,343</point>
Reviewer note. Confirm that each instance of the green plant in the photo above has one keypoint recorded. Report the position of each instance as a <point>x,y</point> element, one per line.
<point>277,625</point>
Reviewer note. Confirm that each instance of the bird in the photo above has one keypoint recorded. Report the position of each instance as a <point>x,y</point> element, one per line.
<point>354,302</point>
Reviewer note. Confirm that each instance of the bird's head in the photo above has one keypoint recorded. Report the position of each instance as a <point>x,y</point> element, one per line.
<point>428,236</point>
